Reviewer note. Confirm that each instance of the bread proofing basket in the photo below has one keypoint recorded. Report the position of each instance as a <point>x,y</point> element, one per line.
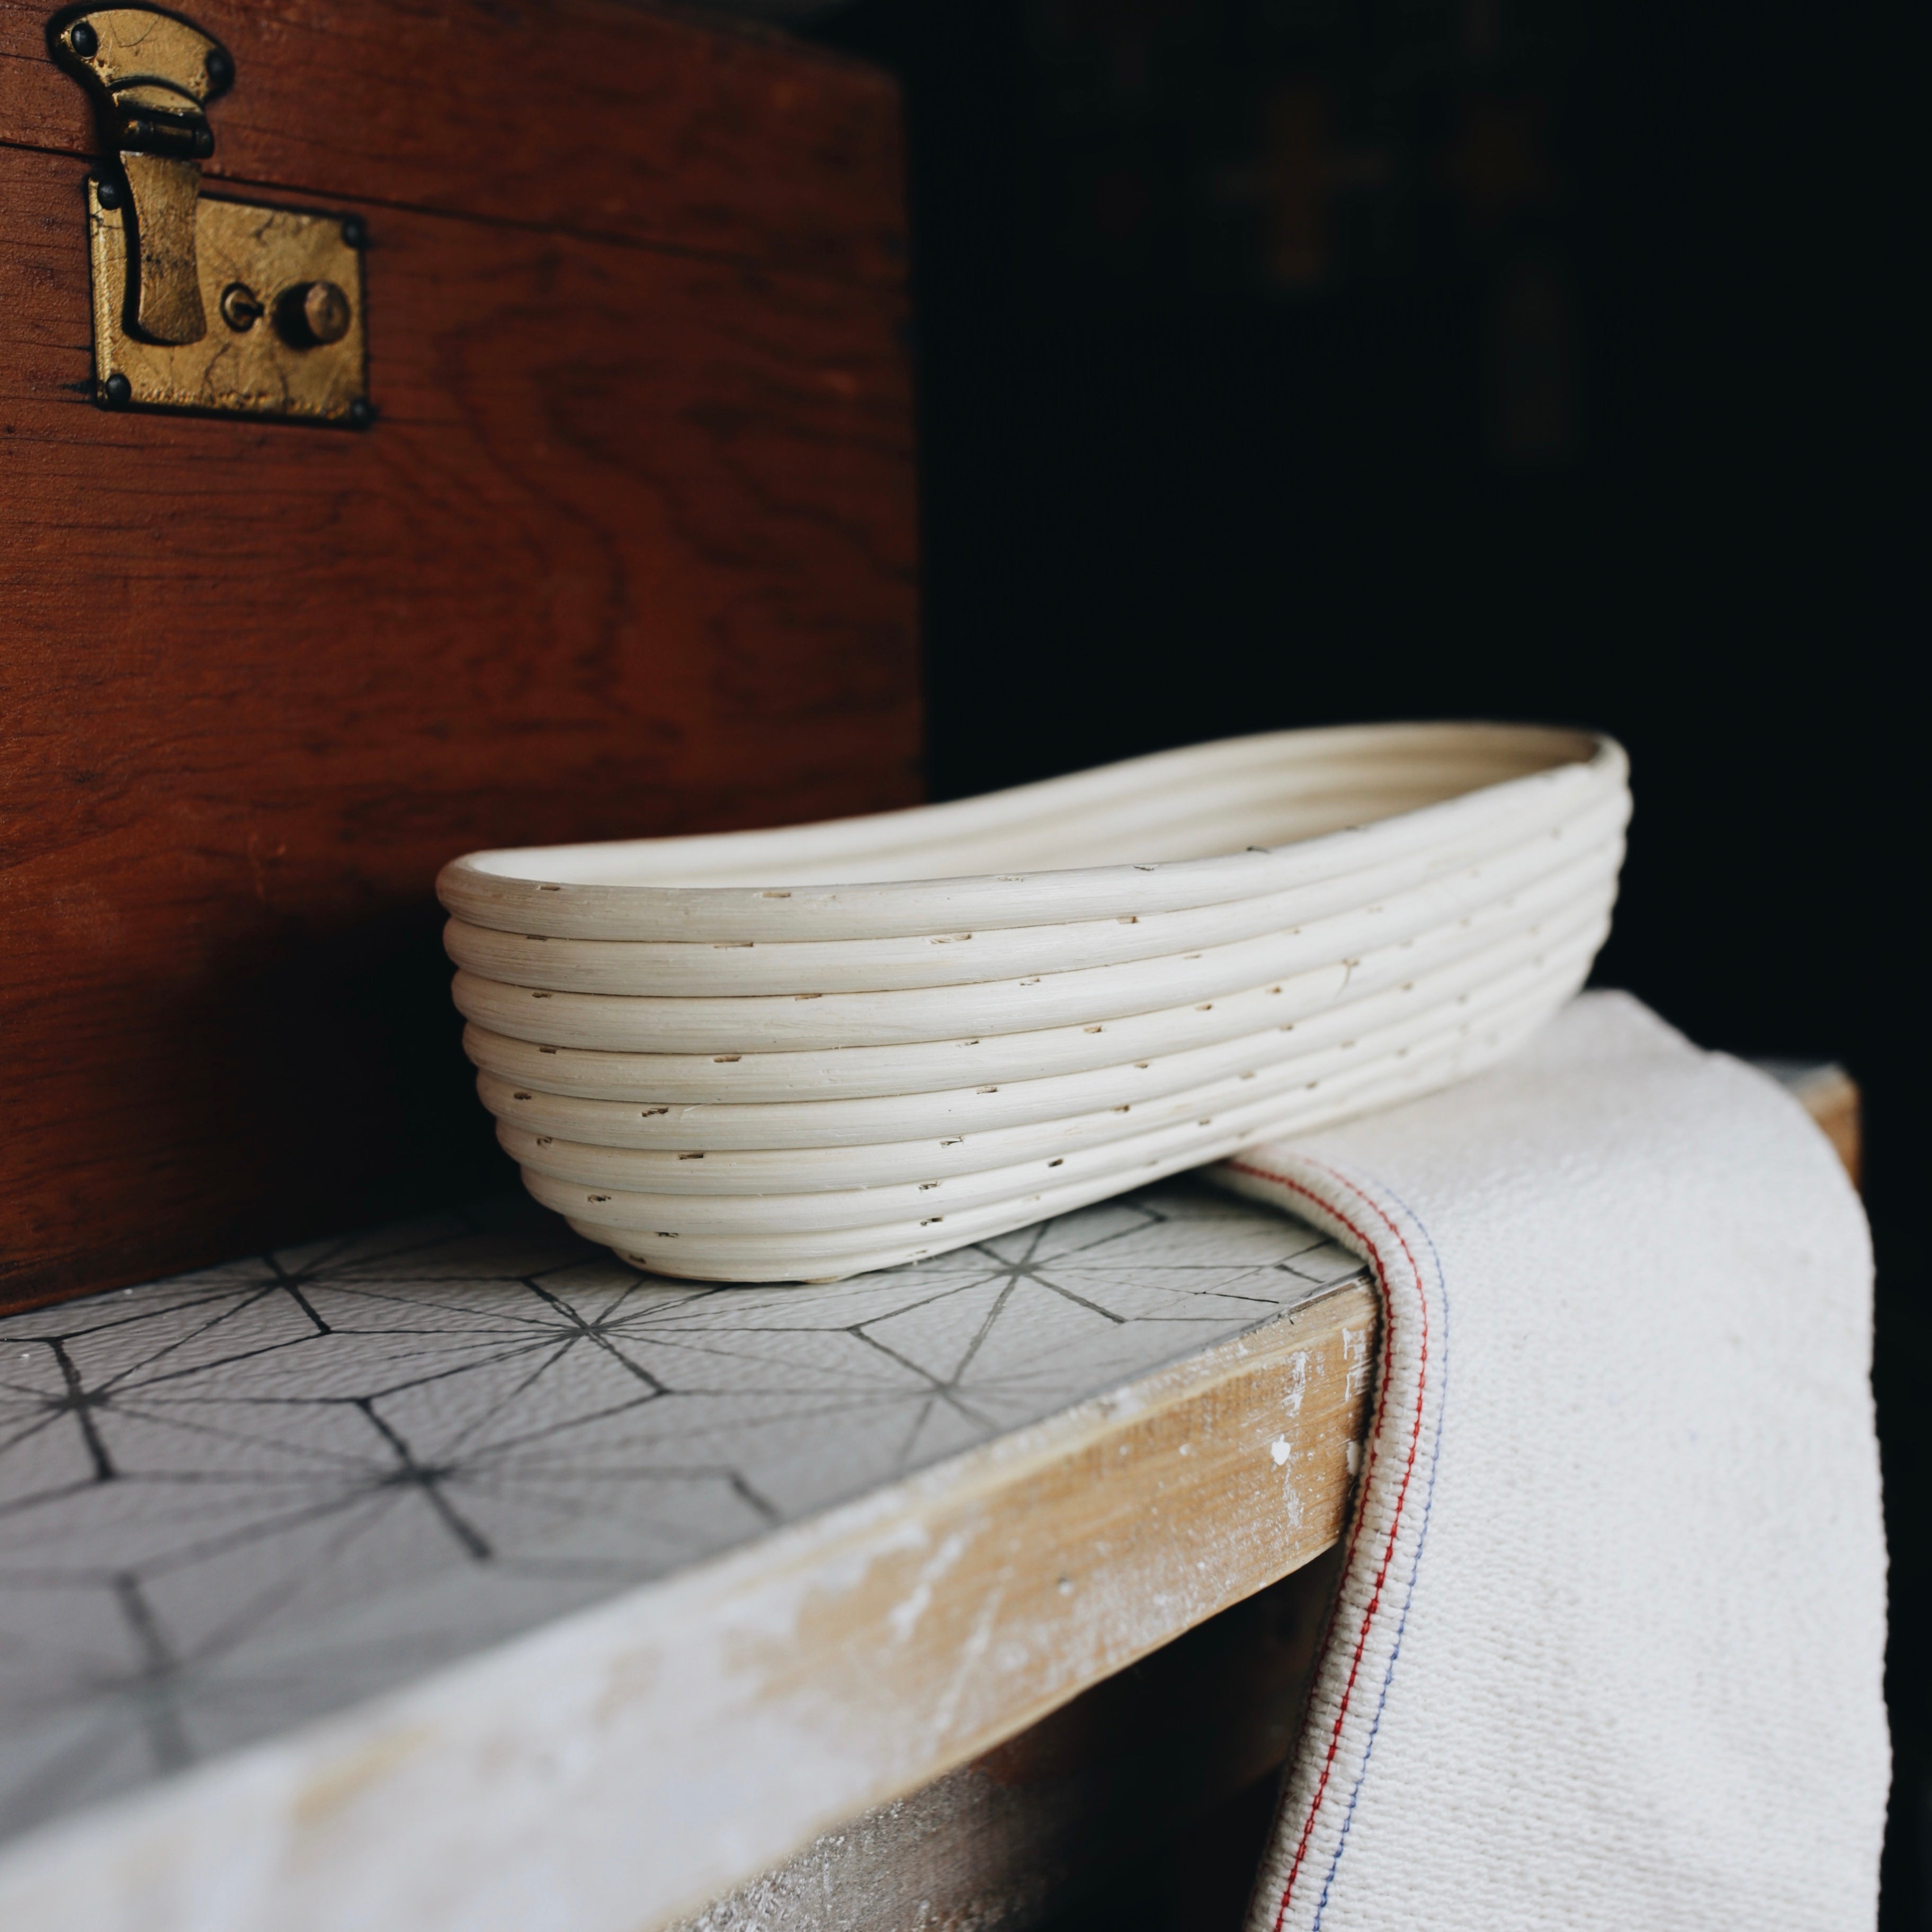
<point>797,1054</point>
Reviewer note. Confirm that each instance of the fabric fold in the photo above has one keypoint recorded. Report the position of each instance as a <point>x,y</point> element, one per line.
<point>1608,1645</point>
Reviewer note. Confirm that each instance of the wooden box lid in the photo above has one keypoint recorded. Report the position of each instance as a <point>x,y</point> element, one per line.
<point>630,549</point>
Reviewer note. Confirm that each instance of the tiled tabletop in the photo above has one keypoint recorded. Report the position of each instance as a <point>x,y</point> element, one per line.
<point>249,1496</point>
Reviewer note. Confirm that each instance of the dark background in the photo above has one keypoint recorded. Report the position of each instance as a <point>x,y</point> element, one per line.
<point>1284,361</point>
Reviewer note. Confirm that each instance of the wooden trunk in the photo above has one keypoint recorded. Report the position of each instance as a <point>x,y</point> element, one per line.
<point>630,549</point>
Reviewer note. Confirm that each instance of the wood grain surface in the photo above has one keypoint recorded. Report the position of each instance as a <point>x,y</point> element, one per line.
<point>631,549</point>
<point>597,117</point>
<point>1117,1782</point>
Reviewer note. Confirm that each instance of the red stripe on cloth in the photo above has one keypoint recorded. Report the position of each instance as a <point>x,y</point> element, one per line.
<point>1374,1604</point>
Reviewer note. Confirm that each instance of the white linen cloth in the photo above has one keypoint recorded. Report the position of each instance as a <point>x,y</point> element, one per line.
<point>1608,1645</point>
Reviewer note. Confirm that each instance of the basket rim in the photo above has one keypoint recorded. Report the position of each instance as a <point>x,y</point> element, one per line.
<point>1534,769</point>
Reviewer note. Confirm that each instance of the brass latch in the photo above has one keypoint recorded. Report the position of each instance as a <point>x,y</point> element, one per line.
<point>200,303</point>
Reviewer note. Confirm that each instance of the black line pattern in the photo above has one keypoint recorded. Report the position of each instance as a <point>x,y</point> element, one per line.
<point>247,1497</point>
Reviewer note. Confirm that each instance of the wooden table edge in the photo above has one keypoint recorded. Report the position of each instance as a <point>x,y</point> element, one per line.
<point>631,1762</point>
<point>635,1762</point>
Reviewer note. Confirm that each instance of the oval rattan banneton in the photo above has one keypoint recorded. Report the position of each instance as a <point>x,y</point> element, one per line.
<point>796,1055</point>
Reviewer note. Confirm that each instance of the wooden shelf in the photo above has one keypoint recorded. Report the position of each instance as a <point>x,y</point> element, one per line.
<point>459,1562</point>
<point>409,1580</point>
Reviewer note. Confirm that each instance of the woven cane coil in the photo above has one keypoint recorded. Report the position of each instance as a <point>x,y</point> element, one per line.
<point>799,1054</point>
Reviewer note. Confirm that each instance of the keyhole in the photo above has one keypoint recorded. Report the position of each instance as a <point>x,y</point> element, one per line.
<point>240,306</point>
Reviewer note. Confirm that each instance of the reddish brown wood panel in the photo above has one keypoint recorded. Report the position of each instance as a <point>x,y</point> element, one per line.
<point>591,116</point>
<point>631,549</point>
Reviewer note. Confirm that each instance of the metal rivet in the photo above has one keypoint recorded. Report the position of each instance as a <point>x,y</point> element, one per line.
<point>353,232</point>
<point>325,309</point>
<point>83,40</point>
<point>220,69</point>
<point>311,315</point>
<point>108,193</point>
<point>117,389</point>
<point>362,413</point>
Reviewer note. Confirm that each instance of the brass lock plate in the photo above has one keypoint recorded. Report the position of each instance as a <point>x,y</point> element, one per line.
<point>281,291</point>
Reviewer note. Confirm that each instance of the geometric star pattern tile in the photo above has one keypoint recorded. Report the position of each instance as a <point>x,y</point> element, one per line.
<point>247,1497</point>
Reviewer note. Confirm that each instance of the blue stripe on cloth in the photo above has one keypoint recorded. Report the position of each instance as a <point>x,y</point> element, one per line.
<point>1415,1568</point>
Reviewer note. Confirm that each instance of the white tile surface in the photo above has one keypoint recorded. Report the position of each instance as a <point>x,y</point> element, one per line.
<point>249,1496</point>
